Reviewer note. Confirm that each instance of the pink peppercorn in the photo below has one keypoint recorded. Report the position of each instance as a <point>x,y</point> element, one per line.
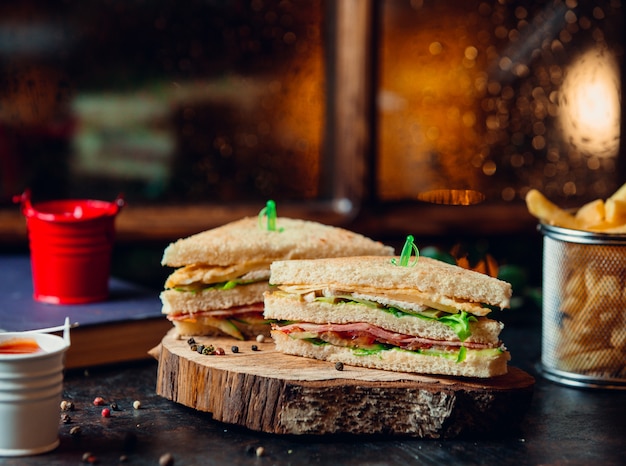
<point>98,401</point>
<point>106,412</point>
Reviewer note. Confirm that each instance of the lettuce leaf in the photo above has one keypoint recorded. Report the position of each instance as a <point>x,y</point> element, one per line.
<point>228,285</point>
<point>459,322</point>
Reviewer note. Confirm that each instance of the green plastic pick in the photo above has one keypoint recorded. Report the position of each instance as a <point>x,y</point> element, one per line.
<point>405,257</point>
<point>269,212</point>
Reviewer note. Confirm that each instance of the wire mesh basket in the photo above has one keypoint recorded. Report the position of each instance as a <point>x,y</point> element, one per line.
<point>584,308</point>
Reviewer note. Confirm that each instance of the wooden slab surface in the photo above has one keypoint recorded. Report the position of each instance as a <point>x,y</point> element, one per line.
<point>271,392</point>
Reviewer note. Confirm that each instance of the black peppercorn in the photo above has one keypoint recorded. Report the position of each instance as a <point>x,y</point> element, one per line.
<point>339,366</point>
<point>191,341</point>
<point>200,348</point>
<point>234,349</point>
<point>255,348</point>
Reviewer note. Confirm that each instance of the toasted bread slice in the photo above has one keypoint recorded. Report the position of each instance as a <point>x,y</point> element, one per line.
<point>429,280</point>
<point>244,242</point>
<point>476,363</point>
<point>184,302</point>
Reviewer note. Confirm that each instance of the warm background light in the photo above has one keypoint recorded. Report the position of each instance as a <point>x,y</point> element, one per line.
<point>590,104</point>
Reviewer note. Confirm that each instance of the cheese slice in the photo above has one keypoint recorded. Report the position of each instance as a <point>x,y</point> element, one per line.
<point>411,296</point>
<point>207,274</point>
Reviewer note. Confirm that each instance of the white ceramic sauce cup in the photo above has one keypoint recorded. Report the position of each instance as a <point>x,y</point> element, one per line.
<point>31,387</point>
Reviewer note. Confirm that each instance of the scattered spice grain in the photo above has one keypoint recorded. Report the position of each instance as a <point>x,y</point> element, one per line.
<point>339,365</point>
<point>67,405</point>
<point>260,338</point>
<point>98,401</point>
<point>74,431</point>
<point>90,458</point>
<point>234,349</point>
<point>136,404</point>
<point>65,418</point>
<point>106,412</point>
<point>255,348</point>
<point>166,460</point>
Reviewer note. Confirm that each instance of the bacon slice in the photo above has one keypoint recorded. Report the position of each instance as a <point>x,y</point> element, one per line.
<point>364,331</point>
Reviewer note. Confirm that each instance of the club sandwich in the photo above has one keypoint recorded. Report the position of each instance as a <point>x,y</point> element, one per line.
<point>221,274</point>
<point>425,316</point>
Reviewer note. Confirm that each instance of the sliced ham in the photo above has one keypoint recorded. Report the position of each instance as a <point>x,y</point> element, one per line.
<point>255,309</point>
<point>364,331</point>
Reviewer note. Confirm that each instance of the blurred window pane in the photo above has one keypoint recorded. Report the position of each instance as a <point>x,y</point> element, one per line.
<point>194,101</point>
<point>496,97</point>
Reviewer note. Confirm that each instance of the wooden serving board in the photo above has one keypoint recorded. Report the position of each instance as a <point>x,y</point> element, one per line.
<point>271,392</point>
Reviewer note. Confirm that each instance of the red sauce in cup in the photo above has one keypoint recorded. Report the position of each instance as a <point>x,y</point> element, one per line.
<point>19,346</point>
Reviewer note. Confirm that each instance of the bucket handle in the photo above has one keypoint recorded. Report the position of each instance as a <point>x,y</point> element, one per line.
<point>66,331</point>
<point>119,201</point>
<point>25,200</point>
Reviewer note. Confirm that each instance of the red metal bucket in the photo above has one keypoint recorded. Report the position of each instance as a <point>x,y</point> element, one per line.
<point>71,242</point>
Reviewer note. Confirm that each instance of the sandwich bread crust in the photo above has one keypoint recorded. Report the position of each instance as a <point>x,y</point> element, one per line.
<point>177,302</point>
<point>243,241</point>
<point>476,364</point>
<point>375,274</point>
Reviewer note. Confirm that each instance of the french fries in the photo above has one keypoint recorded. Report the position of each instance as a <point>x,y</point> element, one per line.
<point>591,338</point>
<point>588,309</point>
<point>539,206</point>
<point>602,216</point>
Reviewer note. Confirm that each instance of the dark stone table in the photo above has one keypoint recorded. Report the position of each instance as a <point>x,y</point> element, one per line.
<point>564,426</point>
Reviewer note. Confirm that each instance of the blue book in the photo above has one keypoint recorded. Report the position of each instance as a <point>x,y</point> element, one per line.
<point>125,327</point>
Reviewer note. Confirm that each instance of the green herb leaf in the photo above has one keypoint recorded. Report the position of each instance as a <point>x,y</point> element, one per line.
<point>460,323</point>
<point>316,341</point>
<point>462,354</point>
<point>371,350</point>
<point>199,287</point>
